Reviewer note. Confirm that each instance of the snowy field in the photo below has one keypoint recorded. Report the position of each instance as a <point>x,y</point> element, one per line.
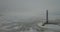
<point>9,25</point>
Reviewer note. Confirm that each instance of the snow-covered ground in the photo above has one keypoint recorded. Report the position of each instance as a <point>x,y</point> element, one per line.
<point>9,25</point>
<point>50,27</point>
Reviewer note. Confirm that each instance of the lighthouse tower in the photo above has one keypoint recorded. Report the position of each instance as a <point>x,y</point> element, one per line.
<point>46,18</point>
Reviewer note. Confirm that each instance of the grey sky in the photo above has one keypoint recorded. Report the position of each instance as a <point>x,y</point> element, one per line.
<point>30,7</point>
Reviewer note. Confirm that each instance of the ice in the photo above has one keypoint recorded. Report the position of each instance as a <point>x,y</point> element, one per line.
<point>8,25</point>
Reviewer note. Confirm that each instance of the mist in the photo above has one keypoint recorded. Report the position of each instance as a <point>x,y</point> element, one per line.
<point>30,8</point>
<point>28,11</point>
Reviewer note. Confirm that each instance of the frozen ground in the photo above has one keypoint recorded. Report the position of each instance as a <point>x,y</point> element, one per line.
<point>8,25</point>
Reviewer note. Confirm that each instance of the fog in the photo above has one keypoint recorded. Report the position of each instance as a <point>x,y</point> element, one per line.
<point>28,11</point>
<point>30,8</point>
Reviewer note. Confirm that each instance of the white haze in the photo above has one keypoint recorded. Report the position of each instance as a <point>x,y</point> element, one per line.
<point>13,11</point>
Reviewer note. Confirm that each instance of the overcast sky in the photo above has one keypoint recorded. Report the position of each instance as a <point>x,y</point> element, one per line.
<point>30,7</point>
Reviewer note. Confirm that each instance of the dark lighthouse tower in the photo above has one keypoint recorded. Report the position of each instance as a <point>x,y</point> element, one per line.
<point>46,18</point>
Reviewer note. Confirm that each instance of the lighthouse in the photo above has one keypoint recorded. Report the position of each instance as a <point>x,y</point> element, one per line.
<point>46,18</point>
